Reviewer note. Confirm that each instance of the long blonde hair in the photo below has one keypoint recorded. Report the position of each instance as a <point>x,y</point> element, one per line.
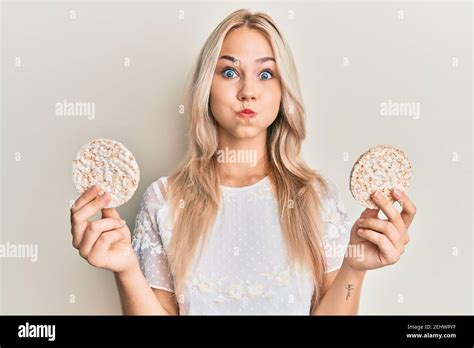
<point>194,186</point>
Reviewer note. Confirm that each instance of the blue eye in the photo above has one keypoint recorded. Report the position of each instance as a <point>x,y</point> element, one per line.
<point>228,72</point>
<point>231,73</point>
<point>266,73</point>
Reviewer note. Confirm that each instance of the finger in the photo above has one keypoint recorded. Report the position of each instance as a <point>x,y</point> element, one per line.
<point>84,198</point>
<point>87,196</point>
<point>88,210</point>
<point>408,208</point>
<point>98,254</point>
<point>382,242</point>
<point>79,222</point>
<point>94,231</point>
<point>389,210</point>
<point>382,226</point>
<point>370,213</point>
<point>110,213</point>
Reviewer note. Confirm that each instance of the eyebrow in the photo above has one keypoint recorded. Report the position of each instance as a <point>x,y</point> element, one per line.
<point>234,60</point>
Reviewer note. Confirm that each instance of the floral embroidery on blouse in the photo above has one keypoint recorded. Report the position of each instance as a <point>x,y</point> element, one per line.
<point>243,290</point>
<point>166,226</point>
<point>141,238</point>
<point>335,215</point>
<point>280,277</point>
<point>229,197</point>
<point>261,194</point>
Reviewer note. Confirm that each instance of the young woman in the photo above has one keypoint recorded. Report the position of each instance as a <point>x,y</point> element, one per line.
<point>227,236</point>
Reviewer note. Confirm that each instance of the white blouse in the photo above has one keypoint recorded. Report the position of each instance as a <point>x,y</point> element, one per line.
<point>244,267</point>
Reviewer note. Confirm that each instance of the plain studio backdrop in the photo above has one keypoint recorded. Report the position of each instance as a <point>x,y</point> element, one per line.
<point>358,63</point>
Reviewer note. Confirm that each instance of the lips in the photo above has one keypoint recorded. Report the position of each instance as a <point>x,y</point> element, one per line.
<point>247,113</point>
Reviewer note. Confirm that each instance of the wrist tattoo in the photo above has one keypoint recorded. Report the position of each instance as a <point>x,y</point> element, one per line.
<point>349,288</point>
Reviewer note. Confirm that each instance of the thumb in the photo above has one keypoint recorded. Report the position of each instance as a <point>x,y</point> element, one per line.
<point>110,213</point>
<point>370,213</point>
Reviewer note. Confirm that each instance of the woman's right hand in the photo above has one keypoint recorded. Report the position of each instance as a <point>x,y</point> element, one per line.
<point>105,243</point>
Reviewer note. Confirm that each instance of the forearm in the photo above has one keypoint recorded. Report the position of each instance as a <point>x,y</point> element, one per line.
<point>343,297</point>
<point>136,296</point>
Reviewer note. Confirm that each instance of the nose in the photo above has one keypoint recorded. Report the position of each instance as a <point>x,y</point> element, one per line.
<point>247,92</point>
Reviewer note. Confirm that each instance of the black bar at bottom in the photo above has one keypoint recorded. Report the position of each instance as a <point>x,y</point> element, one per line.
<point>222,330</point>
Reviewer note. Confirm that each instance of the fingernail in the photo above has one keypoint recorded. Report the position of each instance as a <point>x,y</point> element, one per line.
<point>360,221</point>
<point>359,231</point>
<point>378,196</point>
<point>101,192</point>
<point>104,197</point>
<point>123,222</point>
<point>397,192</point>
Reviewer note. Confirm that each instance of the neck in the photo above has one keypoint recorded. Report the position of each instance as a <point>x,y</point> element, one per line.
<point>242,161</point>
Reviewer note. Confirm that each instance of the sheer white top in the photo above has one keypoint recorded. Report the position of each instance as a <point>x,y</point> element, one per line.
<point>244,267</point>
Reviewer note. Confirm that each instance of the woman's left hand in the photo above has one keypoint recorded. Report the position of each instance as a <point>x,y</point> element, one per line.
<point>381,242</point>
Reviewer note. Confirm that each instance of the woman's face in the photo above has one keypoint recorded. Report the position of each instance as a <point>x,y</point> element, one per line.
<point>243,79</point>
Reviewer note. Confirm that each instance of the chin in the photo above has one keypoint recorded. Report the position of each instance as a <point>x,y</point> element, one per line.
<point>246,133</point>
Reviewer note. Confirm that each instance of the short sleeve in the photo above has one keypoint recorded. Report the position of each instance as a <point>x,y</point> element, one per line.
<point>337,226</point>
<point>147,240</point>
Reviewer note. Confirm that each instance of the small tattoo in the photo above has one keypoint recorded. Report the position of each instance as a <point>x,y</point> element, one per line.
<point>349,287</point>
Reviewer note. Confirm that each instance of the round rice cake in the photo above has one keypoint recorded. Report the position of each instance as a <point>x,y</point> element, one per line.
<point>109,165</point>
<point>381,168</point>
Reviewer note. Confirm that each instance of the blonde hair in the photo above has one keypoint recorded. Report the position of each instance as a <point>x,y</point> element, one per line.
<point>194,186</point>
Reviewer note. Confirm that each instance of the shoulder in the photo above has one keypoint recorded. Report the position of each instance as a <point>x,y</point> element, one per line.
<point>331,199</point>
<point>326,188</point>
<point>156,191</point>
